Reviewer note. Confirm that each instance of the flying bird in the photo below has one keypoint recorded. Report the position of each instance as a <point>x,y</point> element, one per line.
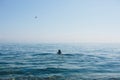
<point>36,17</point>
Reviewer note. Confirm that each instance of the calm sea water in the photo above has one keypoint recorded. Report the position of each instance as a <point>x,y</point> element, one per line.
<point>78,62</point>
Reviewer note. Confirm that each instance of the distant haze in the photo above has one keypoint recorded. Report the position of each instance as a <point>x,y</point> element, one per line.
<point>60,21</point>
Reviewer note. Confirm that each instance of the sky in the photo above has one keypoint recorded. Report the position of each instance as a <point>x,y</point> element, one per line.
<point>60,21</point>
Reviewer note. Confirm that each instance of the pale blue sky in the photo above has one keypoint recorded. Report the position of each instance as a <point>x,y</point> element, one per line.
<point>60,20</point>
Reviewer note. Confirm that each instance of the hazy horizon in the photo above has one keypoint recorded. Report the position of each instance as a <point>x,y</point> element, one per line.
<point>54,21</point>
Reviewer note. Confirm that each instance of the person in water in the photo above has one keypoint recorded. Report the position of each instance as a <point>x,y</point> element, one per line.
<point>59,52</point>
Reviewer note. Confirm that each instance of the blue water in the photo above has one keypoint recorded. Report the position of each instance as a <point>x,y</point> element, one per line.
<point>78,62</point>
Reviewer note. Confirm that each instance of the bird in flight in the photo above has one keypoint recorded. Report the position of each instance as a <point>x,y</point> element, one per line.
<point>36,17</point>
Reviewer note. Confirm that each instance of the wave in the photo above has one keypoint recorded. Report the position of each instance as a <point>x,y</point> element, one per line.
<point>54,77</point>
<point>32,71</point>
<point>63,77</point>
<point>42,54</point>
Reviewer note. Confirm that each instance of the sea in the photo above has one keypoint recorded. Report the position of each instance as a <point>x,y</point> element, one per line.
<point>78,61</point>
